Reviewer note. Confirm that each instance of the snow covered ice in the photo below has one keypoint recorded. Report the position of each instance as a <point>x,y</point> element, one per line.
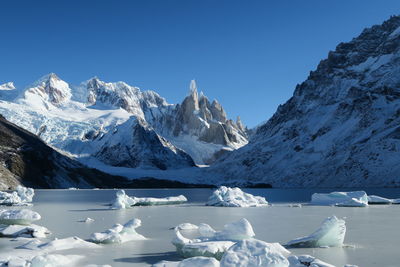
<point>349,199</point>
<point>119,233</point>
<point>378,200</point>
<point>330,234</point>
<point>49,260</point>
<point>22,196</point>
<point>190,262</point>
<point>34,231</point>
<point>23,216</point>
<point>307,260</point>
<point>212,243</point>
<point>123,201</point>
<point>255,253</point>
<point>234,197</point>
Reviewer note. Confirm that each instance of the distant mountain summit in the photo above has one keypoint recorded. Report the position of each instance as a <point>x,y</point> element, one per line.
<point>122,126</point>
<point>340,128</point>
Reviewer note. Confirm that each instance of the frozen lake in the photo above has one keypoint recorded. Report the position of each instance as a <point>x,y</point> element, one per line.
<point>372,233</point>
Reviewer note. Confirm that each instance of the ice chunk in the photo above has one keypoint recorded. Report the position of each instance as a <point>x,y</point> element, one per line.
<point>353,202</point>
<point>123,201</point>
<point>252,252</point>
<point>191,262</point>
<point>187,226</point>
<point>22,196</point>
<point>87,220</point>
<point>119,233</point>
<point>236,231</point>
<point>213,249</point>
<point>396,201</point>
<point>330,234</point>
<point>59,244</point>
<point>356,198</point>
<point>47,260</point>
<point>212,243</point>
<point>307,260</point>
<point>23,231</point>
<point>23,216</point>
<point>234,197</point>
<point>55,260</point>
<point>378,200</point>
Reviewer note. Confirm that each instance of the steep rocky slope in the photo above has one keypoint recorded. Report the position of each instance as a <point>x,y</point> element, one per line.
<point>27,160</point>
<point>340,128</point>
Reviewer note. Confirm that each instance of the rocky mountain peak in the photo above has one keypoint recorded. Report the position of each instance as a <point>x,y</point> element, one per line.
<point>7,86</point>
<point>51,89</point>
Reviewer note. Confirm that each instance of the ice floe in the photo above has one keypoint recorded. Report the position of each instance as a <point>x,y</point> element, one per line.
<point>87,220</point>
<point>48,260</point>
<point>330,234</point>
<point>348,199</point>
<point>33,231</point>
<point>22,196</point>
<point>234,197</point>
<point>212,243</point>
<point>59,244</point>
<point>254,252</point>
<point>22,216</point>
<point>307,260</point>
<point>190,262</point>
<point>123,201</point>
<point>378,200</point>
<point>187,226</point>
<point>396,201</point>
<point>37,253</point>
<point>119,233</point>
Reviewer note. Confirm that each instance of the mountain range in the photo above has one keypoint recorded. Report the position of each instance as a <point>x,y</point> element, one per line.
<point>339,129</point>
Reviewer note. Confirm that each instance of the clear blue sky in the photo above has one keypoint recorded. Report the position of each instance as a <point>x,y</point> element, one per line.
<point>247,54</point>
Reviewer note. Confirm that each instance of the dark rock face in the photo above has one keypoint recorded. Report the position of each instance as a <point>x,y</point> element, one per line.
<point>27,160</point>
<point>340,128</point>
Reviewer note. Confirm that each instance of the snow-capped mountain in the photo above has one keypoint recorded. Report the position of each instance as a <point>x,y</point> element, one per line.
<point>340,128</point>
<point>26,159</point>
<point>7,86</point>
<point>121,125</point>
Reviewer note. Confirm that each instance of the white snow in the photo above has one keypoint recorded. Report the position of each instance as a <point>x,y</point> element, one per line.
<point>330,234</point>
<point>88,220</point>
<point>213,249</point>
<point>234,197</point>
<point>355,198</point>
<point>59,244</point>
<point>396,201</point>
<point>123,201</point>
<point>191,262</point>
<point>212,243</point>
<point>7,86</point>
<point>306,260</point>
<point>22,216</point>
<point>255,253</point>
<point>46,260</point>
<point>187,226</point>
<point>372,199</point>
<point>22,196</point>
<point>119,233</point>
<point>34,231</point>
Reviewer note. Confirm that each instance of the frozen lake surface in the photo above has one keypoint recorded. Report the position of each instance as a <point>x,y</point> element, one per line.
<point>372,232</point>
